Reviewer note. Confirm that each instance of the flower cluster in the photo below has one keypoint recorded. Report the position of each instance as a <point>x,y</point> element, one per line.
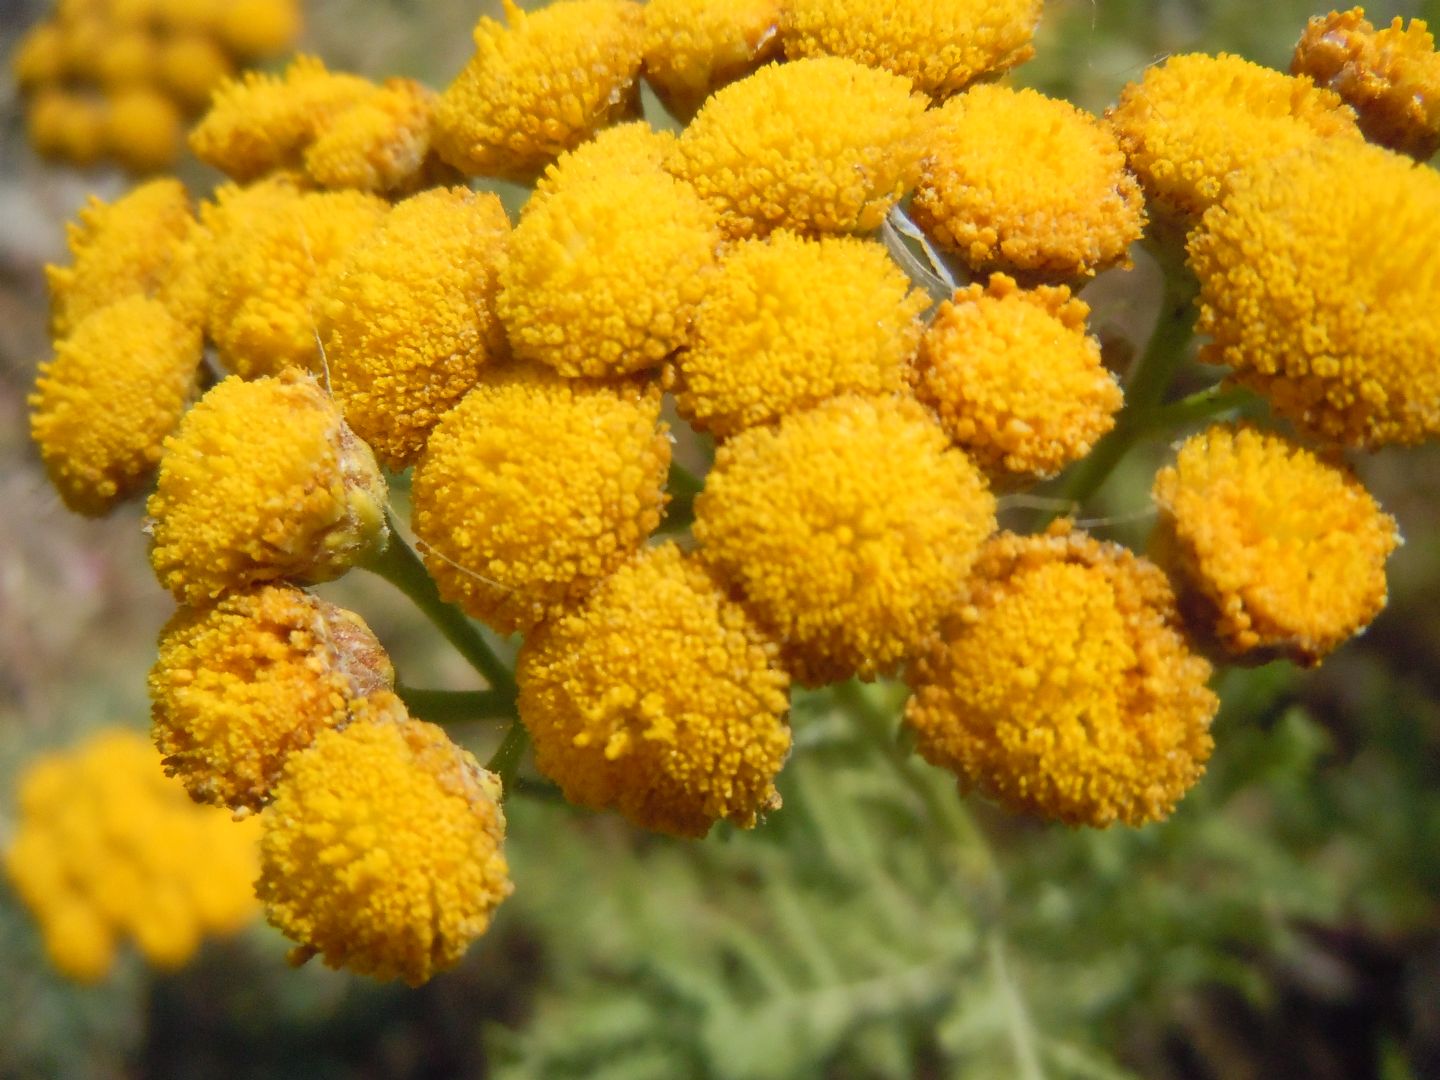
<point>369,309</point>
<point>117,79</point>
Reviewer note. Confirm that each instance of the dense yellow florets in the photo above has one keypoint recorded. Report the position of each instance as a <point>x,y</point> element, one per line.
<point>263,481</point>
<point>1015,379</point>
<point>693,47</point>
<point>1064,688</point>
<point>623,149</point>
<point>825,145</point>
<point>409,317</point>
<point>849,529</point>
<point>142,130</point>
<point>1283,553</point>
<point>788,322</point>
<point>1390,77</point>
<point>540,85</point>
<point>108,848</point>
<point>382,851</point>
<point>1194,121</point>
<point>379,143</point>
<point>101,409</point>
<point>65,125</point>
<point>241,686</point>
<point>1318,283</point>
<point>941,45</point>
<point>534,487</point>
<point>1017,181</point>
<point>658,697</point>
<point>603,275</point>
<point>271,256</point>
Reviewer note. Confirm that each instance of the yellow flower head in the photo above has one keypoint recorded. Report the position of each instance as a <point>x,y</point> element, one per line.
<point>142,130</point>
<point>1318,283</point>
<point>789,322</point>
<point>67,126</point>
<point>255,28</point>
<point>1014,378</point>
<point>191,66</point>
<point>263,481</point>
<point>693,47</point>
<point>39,58</point>
<point>380,143</point>
<point>620,150</point>
<point>128,59</point>
<point>1282,553</point>
<point>1064,688</point>
<point>241,686</point>
<point>941,45</point>
<point>603,275</point>
<point>1194,121</point>
<point>408,318</point>
<point>1390,77</point>
<point>101,409</point>
<point>535,487</point>
<point>849,529</point>
<point>271,257</point>
<point>1017,181</point>
<point>108,848</point>
<point>382,851</point>
<point>144,242</point>
<point>658,697</point>
<point>539,84</point>
<point>825,145</point>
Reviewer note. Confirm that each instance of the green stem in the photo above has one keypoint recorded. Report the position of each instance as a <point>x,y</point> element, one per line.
<point>1202,405</point>
<point>682,483</point>
<point>456,706</point>
<point>399,565</point>
<point>506,760</point>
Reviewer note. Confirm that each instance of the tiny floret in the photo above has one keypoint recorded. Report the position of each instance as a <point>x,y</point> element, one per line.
<point>1064,688</point>
<point>694,47</point>
<point>1281,552</point>
<point>849,530</point>
<point>659,697</point>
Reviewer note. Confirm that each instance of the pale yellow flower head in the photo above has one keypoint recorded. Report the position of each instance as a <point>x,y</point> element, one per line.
<point>256,28</point>
<point>1318,284</point>
<point>659,697</point>
<point>103,406</point>
<point>940,45</point>
<point>39,58</point>
<point>539,84</point>
<point>263,481</point>
<point>1282,553</point>
<point>1194,122</point>
<point>694,47</point>
<point>848,529</point>
<point>534,488</point>
<point>241,686</point>
<point>1015,379</point>
<point>1064,688</point>
<point>788,322</point>
<point>408,319</point>
<point>66,126</point>
<point>1390,77</point>
<point>142,130</point>
<point>383,850</point>
<point>824,145</point>
<point>108,849</point>
<point>1016,181</point>
<point>191,66</point>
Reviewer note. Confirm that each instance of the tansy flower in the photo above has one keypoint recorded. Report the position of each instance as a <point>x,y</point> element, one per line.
<point>535,487</point>
<point>693,47</point>
<point>788,322</point>
<point>240,686</point>
<point>382,851</point>
<point>270,259</point>
<point>602,276</point>
<point>1390,77</point>
<point>1341,341</point>
<point>116,388</point>
<point>824,145</point>
<point>623,149</point>
<point>255,28</point>
<point>39,58</point>
<point>1013,180</point>
<point>143,243</point>
<point>1194,121</point>
<point>1014,378</point>
<point>263,481</point>
<point>191,66</point>
<point>658,697</point>
<point>380,143</point>
<point>941,45</point>
<point>1063,688</point>
<point>108,848</point>
<point>128,60</point>
<point>408,317</point>
<point>1282,552</point>
<point>849,529</point>
<point>142,130</point>
<point>539,84</point>
<point>67,126</point>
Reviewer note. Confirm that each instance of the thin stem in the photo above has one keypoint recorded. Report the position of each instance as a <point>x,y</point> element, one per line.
<point>456,706</point>
<point>399,565</point>
<point>682,483</point>
<point>1018,1025</point>
<point>1201,405</point>
<point>506,760</point>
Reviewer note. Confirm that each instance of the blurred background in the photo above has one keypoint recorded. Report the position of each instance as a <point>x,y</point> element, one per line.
<point>1285,922</point>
